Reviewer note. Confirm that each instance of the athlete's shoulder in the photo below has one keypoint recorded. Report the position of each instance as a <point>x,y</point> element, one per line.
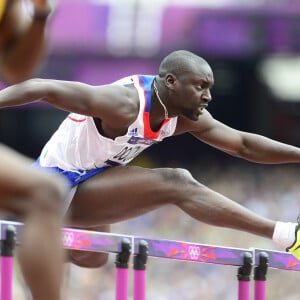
<point>130,79</point>
<point>135,78</point>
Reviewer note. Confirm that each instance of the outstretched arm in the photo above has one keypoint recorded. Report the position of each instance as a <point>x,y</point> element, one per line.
<point>249,146</point>
<point>113,104</point>
<point>23,40</point>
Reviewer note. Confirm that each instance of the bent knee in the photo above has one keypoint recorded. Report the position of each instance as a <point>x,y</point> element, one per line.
<point>87,259</point>
<point>177,176</point>
<point>180,185</point>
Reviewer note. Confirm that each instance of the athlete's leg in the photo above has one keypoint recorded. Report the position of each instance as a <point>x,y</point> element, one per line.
<point>35,199</point>
<point>89,259</point>
<point>121,193</point>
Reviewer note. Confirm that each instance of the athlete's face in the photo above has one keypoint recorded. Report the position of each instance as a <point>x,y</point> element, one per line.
<point>192,91</point>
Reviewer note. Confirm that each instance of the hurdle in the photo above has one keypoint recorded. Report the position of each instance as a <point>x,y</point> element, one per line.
<point>125,246</point>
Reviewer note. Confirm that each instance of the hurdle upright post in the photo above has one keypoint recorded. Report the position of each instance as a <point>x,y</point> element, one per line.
<point>7,253</point>
<point>244,273</point>
<point>139,269</point>
<point>121,263</point>
<point>260,272</point>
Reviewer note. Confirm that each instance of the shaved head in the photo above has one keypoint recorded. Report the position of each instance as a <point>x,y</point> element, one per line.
<point>180,62</point>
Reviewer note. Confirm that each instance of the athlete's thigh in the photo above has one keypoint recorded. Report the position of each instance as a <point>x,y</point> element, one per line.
<point>15,177</point>
<point>119,193</point>
<point>19,182</point>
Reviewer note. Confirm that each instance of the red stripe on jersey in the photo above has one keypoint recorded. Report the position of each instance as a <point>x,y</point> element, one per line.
<point>76,120</point>
<point>148,132</point>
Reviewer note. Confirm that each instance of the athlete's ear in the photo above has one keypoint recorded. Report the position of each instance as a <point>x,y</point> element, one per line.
<point>170,80</point>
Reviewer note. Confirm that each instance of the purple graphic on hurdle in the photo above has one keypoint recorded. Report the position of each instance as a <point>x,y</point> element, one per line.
<point>140,247</point>
<point>201,253</point>
<point>180,250</point>
<point>279,260</point>
<point>93,241</point>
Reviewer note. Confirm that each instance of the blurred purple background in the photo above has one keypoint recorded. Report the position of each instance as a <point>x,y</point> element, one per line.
<point>82,26</point>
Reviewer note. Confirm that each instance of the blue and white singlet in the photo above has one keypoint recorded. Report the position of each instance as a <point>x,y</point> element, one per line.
<point>78,151</point>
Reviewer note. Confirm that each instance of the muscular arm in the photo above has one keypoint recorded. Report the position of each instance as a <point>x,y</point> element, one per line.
<point>22,41</point>
<point>115,105</point>
<point>249,146</point>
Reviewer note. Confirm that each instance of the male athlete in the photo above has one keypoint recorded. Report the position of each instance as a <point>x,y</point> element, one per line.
<point>111,124</point>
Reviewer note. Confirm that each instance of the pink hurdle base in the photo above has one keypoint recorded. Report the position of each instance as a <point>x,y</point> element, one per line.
<point>139,289</point>
<point>259,290</point>
<point>7,277</point>
<point>260,273</point>
<point>6,261</point>
<point>244,290</point>
<point>121,283</point>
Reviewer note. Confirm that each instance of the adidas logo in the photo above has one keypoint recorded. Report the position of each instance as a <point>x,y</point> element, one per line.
<point>164,133</point>
<point>133,132</point>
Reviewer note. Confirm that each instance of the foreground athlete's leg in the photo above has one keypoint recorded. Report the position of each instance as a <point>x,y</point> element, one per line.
<point>36,199</point>
<point>121,193</point>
